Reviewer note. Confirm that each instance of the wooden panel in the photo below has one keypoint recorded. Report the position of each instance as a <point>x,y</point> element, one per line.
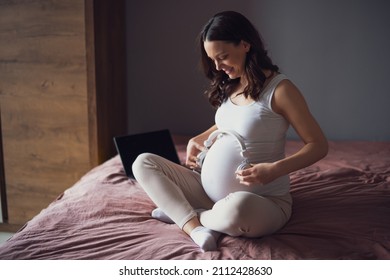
<point>43,95</point>
<point>3,191</point>
<point>62,94</point>
<point>91,82</point>
<point>109,24</point>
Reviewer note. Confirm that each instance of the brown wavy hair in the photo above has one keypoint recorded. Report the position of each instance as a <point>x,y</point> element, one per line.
<point>233,27</point>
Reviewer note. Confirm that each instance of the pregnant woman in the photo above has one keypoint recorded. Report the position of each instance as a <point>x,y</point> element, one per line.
<point>243,186</point>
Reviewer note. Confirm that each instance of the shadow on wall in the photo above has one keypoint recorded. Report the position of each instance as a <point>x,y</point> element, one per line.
<point>165,83</point>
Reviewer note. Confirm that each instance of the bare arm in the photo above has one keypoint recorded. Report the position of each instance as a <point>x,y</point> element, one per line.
<point>289,102</point>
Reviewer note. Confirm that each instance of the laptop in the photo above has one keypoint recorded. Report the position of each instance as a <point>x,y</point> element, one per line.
<point>156,142</point>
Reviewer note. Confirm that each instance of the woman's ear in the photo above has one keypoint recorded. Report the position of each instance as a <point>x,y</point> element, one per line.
<point>246,45</point>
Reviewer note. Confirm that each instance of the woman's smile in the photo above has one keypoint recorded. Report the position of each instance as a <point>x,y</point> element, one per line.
<point>228,57</point>
<point>228,70</point>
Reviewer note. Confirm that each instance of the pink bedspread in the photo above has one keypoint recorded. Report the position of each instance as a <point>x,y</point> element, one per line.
<point>341,211</point>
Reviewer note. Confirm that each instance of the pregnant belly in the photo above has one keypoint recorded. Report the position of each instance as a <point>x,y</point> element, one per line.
<point>219,167</point>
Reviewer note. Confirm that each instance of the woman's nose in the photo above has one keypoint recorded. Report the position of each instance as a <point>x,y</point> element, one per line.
<point>217,65</point>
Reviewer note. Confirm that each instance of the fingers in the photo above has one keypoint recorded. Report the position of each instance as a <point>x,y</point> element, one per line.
<point>191,162</point>
<point>192,158</point>
<point>193,149</point>
<point>245,172</point>
<point>247,177</point>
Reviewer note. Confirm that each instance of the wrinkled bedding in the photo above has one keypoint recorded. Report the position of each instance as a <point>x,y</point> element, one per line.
<point>341,211</point>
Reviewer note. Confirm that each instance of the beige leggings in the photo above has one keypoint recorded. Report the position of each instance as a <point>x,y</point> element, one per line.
<point>177,190</point>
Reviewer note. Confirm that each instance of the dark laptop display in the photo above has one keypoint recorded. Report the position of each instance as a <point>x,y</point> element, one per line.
<point>156,142</point>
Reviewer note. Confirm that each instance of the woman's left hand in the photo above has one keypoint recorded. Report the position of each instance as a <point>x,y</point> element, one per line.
<point>262,173</point>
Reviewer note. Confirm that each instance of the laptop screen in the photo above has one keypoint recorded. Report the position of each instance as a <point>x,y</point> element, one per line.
<point>156,142</point>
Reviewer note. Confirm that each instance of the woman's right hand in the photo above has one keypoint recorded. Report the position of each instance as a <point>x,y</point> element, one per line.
<point>194,147</point>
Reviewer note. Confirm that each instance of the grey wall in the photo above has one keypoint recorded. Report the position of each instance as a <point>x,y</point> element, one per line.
<point>165,83</point>
<point>337,52</point>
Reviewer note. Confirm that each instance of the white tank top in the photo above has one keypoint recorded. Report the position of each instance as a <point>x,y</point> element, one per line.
<point>264,134</point>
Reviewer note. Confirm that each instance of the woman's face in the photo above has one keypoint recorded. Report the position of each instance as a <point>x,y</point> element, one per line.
<point>228,57</point>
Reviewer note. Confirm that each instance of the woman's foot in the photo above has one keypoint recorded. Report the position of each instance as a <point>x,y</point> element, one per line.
<point>161,216</point>
<point>205,238</point>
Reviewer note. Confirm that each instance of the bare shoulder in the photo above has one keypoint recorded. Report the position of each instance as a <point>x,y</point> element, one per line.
<point>287,89</point>
<point>287,96</point>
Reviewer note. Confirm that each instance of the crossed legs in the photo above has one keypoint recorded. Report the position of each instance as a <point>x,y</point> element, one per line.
<point>177,191</point>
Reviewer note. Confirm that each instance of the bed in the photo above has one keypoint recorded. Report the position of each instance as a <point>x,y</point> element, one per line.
<point>341,211</point>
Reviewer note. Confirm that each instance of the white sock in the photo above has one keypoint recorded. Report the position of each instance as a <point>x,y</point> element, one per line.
<point>161,216</point>
<point>205,238</point>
